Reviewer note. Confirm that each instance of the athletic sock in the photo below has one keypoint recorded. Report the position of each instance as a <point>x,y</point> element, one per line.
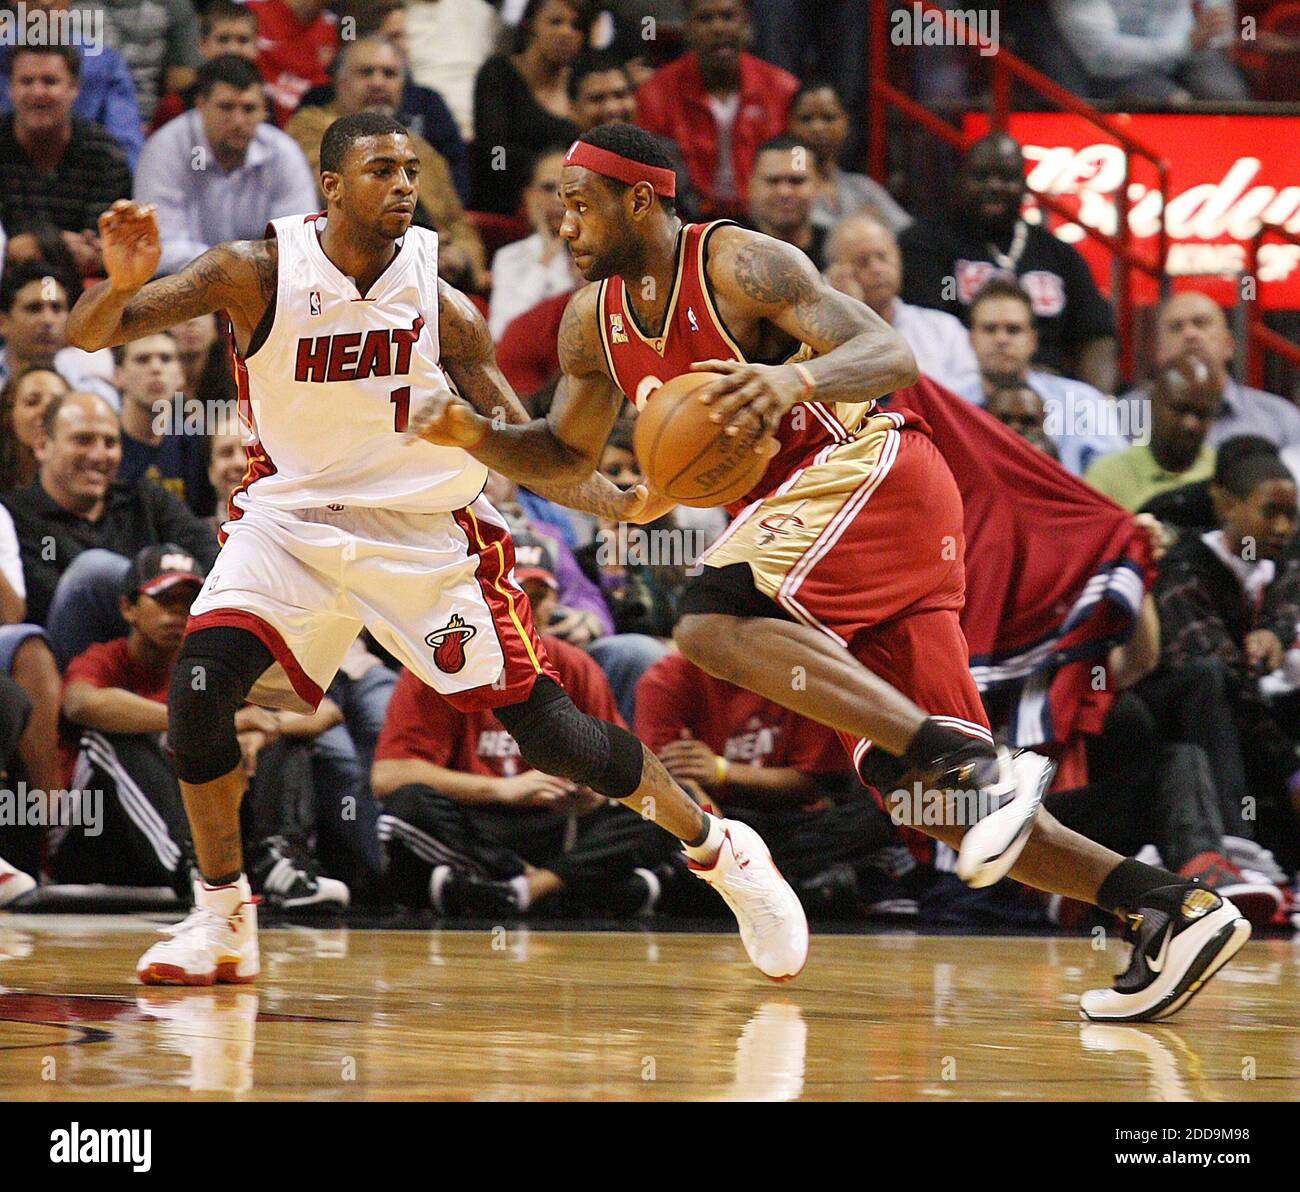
<point>1128,884</point>
<point>706,851</point>
<point>936,749</point>
<point>523,895</point>
<point>226,897</point>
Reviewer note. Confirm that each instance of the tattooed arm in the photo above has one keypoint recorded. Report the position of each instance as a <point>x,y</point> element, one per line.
<point>859,356</point>
<point>498,432</point>
<point>238,277</point>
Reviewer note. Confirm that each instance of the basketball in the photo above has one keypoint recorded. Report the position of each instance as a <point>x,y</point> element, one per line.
<point>685,456</point>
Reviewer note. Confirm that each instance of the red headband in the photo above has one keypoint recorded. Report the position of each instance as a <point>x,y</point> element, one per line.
<point>624,169</point>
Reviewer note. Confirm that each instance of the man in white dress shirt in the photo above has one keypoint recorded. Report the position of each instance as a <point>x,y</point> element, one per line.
<point>864,262</point>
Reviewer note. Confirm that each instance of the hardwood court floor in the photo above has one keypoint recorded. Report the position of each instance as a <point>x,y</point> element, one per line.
<point>341,1014</point>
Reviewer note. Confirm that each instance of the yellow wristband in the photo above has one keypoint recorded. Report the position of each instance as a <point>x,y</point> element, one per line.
<point>720,769</point>
<point>805,376</point>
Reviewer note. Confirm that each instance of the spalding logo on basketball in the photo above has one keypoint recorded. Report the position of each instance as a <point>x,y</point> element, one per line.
<point>449,644</point>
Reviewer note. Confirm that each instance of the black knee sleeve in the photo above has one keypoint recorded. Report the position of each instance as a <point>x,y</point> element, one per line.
<point>555,737</point>
<point>214,673</point>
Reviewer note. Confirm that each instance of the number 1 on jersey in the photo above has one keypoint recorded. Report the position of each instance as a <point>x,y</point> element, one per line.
<point>401,398</point>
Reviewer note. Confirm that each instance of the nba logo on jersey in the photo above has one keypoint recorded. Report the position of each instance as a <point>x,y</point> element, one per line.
<point>616,333</point>
<point>690,315</point>
<point>313,303</point>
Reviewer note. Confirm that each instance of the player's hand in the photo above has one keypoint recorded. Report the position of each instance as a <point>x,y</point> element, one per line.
<point>447,421</point>
<point>641,504</point>
<point>762,391</point>
<point>1264,651</point>
<point>129,243</point>
<point>532,788</point>
<point>691,760</point>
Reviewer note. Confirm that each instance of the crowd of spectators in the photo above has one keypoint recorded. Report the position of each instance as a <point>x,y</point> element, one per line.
<point>116,466</point>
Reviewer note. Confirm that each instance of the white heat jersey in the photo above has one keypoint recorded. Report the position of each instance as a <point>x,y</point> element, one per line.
<point>327,392</point>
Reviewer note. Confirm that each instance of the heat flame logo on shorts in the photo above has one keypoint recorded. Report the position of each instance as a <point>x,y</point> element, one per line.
<point>449,644</point>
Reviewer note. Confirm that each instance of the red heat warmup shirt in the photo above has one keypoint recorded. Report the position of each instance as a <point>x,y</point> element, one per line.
<point>109,664</point>
<point>674,699</point>
<point>291,57</point>
<point>421,724</point>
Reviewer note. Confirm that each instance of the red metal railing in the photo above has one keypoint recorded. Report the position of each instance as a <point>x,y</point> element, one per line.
<point>1006,67</point>
<point>1260,339</point>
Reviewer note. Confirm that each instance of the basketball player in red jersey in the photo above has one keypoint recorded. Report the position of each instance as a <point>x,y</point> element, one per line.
<point>836,590</point>
<point>344,521</point>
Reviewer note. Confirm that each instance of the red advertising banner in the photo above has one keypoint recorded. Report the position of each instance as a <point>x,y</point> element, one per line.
<point>1226,175</point>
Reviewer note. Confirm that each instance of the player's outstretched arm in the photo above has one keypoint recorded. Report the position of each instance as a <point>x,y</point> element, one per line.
<point>493,426</point>
<point>859,355</point>
<point>238,277</point>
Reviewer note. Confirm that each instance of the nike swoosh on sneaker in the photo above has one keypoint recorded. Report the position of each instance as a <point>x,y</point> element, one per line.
<point>1157,963</point>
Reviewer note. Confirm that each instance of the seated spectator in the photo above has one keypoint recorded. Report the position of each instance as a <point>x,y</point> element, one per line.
<point>159,41</point>
<point>1191,506</point>
<point>53,164</point>
<point>22,405</point>
<point>1170,50</point>
<point>27,661</point>
<point>718,104</point>
<point>74,516</point>
<point>105,89</point>
<point>539,266</point>
<point>157,443</point>
<point>602,92</point>
<point>14,882</point>
<point>528,351</point>
<point>639,588</point>
<point>469,832</point>
<point>946,265</point>
<point>296,42</point>
<point>1192,321</point>
<point>34,321</point>
<point>369,78</point>
<point>818,120</point>
<point>252,173</point>
<point>1146,790</point>
<point>421,109</point>
<point>448,41</point>
<point>824,39</point>
<point>1229,603</point>
<point>748,758</point>
<point>1183,403</point>
<point>1081,422</point>
<point>1021,409</point>
<point>225,27</point>
<point>864,262</point>
<point>227,461</point>
<point>521,102</point>
<point>115,697</point>
<point>780,197</point>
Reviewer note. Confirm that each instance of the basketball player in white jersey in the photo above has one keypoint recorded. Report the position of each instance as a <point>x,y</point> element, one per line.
<point>342,521</point>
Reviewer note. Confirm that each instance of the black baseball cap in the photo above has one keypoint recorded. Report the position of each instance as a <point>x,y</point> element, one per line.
<point>157,568</point>
<point>534,559</point>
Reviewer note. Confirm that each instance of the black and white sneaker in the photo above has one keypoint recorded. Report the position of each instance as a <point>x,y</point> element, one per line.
<point>1181,935</point>
<point>454,892</point>
<point>288,880</point>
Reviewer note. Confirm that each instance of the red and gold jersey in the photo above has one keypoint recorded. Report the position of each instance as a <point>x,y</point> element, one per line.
<point>694,331</point>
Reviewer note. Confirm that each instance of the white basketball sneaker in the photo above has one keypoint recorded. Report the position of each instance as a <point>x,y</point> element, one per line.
<point>773,927</point>
<point>14,883</point>
<point>216,941</point>
<point>990,846</point>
